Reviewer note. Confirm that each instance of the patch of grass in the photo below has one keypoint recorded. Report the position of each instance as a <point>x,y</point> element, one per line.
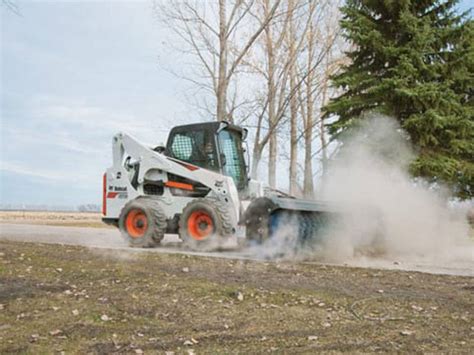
<point>64,298</point>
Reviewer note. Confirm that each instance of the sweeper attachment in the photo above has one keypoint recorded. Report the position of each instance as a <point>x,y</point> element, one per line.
<point>198,187</point>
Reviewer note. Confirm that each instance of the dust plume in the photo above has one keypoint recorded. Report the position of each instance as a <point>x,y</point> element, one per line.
<point>387,213</point>
<point>383,215</point>
<point>283,244</point>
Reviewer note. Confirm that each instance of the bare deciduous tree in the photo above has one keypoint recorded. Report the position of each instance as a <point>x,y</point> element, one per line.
<point>287,49</point>
<point>321,39</point>
<point>220,43</point>
<point>279,57</point>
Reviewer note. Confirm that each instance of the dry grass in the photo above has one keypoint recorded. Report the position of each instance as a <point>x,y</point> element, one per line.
<point>70,219</point>
<point>64,298</point>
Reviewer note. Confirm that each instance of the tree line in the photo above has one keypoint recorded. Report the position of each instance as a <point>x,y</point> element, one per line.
<point>299,73</point>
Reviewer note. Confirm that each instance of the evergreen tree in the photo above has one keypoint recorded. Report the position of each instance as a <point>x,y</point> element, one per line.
<point>413,60</point>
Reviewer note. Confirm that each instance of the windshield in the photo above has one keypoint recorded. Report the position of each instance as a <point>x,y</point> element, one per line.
<point>232,157</point>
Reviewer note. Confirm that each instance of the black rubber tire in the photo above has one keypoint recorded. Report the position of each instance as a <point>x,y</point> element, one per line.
<point>156,222</point>
<point>222,226</point>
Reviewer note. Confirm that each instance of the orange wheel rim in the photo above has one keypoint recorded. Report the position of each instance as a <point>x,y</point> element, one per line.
<point>136,223</point>
<point>200,225</point>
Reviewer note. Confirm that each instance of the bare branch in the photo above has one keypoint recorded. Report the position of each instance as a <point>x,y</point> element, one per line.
<point>253,39</point>
<point>12,6</point>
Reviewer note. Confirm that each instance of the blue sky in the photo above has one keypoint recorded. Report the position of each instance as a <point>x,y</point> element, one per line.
<point>73,73</point>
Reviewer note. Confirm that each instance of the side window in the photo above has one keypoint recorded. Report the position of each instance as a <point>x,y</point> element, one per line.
<point>195,147</point>
<point>182,147</point>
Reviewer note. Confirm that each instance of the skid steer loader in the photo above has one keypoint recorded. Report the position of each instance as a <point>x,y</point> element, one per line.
<point>198,187</point>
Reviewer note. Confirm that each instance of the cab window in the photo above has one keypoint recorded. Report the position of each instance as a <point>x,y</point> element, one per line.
<point>232,157</point>
<point>195,147</point>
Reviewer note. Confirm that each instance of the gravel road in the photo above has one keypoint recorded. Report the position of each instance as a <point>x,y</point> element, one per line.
<point>106,238</point>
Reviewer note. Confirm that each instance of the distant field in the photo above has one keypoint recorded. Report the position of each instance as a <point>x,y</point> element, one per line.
<point>70,219</point>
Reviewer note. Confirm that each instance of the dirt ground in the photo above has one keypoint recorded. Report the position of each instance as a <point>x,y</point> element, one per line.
<point>70,219</point>
<point>57,298</point>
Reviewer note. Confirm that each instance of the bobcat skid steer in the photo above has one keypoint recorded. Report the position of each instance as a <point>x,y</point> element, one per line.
<point>197,186</point>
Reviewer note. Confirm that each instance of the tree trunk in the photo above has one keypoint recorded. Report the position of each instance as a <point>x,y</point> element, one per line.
<point>322,135</point>
<point>221,109</point>
<point>308,165</point>
<point>293,107</point>
<point>308,185</point>
<point>256,157</point>
<point>293,140</point>
<point>272,155</point>
<point>272,160</point>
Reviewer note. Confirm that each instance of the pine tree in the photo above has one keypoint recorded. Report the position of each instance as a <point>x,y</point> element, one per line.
<point>413,60</point>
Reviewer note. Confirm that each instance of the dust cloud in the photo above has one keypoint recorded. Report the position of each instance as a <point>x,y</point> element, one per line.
<point>384,215</point>
<point>388,214</point>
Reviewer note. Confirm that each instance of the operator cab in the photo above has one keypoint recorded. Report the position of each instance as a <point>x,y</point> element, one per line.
<point>216,146</point>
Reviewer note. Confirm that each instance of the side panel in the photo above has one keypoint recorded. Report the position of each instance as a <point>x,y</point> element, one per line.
<point>118,191</point>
